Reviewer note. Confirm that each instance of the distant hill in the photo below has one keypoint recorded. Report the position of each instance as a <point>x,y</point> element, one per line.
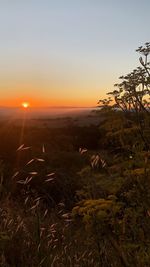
<point>34,113</point>
<point>51,117</point>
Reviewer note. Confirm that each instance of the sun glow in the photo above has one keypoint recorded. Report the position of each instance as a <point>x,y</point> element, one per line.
<point>25,104</point>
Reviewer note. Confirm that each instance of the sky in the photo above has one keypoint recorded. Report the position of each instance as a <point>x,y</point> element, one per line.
<point>68,52</point>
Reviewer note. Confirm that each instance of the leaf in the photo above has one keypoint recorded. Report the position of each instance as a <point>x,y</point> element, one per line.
<point>20,147</point>
<point>41,160</point>
<point>50,174</point>
<point>29,162</point>
<point>33,207</point>
<point>43,148</point>
<point>66,215</point>
<point>15,174</point>
<point>45,213</point>
<point>29,179</point>
<point>49,180</point>
<point>82,150</point>
<point>26,148</point>
<point>21,182</point>
<point>26,200</point>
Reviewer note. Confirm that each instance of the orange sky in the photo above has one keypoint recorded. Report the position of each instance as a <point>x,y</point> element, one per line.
<point>35,102</point>
<point>61,92</point>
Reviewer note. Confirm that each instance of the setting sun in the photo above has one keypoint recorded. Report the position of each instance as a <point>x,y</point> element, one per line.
<point>25,104</point>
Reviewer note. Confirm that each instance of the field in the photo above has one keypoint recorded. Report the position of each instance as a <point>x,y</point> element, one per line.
<point>74,191</point>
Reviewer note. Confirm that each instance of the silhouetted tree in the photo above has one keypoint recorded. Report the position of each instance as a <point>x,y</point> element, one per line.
<point>133,91</point>
<point>132,94</point>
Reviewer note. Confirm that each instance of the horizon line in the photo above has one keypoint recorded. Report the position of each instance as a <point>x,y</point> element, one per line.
<point>51,107</point>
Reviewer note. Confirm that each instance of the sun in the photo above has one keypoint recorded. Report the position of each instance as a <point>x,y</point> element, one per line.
<point>25,104</point>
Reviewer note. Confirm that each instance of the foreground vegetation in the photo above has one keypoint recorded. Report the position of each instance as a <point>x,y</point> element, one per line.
<point>80,196</point>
